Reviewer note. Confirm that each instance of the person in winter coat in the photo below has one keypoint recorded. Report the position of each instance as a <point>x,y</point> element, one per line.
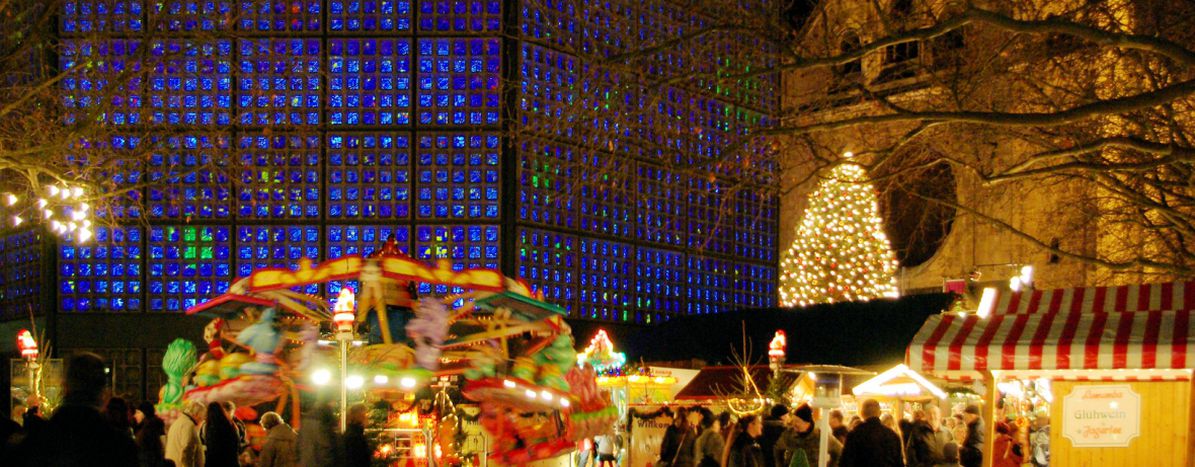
<point>774,425</point>
<point>150,431</point>
<point>280,449</point>
<point>1006,452</point>
<point>318,445</point>
<point>182,442</point>
<point>357,451</point>
<point>871,444</point>
<point>78,434</point>
<point>838,426</point>
<point>803,438</point>
<point>927,439</point>
<point>676,448</point>
<point>744,450</point>
<point>707,449</point>
<point>971,452</point>
<point>223,447</point>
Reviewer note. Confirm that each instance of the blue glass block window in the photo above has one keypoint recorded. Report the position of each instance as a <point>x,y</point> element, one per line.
<point>369,81</point>
<point>546,183</point>
<point>708,219</point>
<point>548,263</point>
<point>279,81</point>
<point>190,82</point>
<point>457,176</point>
<point>606,204</point>
<point>711,285</point>
<point>369,15</point>
<point>553,21</point>
<point>103,274</point>
<point>345,240</point>
<point>369,175</point>
<point>465,246</point>
<point>605,28</point>
<point>661,200</point>
<point>276,246</point>
<point>20,274</point>
<point>112,164</point>
<point>458,81</point>
<point>190,15</point>
<point>102,82</point>
<point>660,279</point>
<point>755,225</point>
<point>606,280</point>
<point>107,16</point>
<point>674,127</point>
<point>188,179</point>
<point>547,95</point>
<point>280,177</point>
<point>187,265</point>
<point>281,15</point>
<point>462,16</point>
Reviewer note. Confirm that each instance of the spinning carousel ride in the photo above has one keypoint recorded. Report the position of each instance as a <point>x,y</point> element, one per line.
<point>513,350</point>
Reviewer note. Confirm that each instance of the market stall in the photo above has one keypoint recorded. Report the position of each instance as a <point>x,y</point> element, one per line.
<point>1111,366</point>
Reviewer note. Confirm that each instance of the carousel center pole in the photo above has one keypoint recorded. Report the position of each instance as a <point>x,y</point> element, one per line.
<point>345,319</point>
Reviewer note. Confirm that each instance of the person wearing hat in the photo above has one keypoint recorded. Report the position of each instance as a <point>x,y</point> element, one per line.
<point>802,439</point>
<point>773,426</point>
<point>971,453</point>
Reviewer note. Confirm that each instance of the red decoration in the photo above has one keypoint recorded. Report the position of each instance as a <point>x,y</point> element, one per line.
<point>26,344</point>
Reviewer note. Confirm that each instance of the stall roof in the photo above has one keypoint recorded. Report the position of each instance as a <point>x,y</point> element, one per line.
<point>1123,298</point>
<point>1055,341</point>
<point>714,381</point>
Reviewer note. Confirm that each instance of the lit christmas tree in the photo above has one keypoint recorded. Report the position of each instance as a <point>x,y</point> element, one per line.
<point>841,252</point>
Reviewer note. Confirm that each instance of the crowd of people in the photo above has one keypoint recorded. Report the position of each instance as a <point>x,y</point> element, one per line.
<point>89,429</point>
<point>790,438</point>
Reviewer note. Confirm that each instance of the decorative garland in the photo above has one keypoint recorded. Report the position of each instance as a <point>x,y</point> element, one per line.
<point>661,412</point>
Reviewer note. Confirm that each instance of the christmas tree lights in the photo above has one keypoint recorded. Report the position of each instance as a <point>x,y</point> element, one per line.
<point>841,252</point>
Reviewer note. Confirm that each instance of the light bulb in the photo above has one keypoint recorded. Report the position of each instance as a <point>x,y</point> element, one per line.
<point>10,199</point>
<point>16,220</point>
<point>84,235</point>
<point>47,213</point>
<point>53,190</point>
<point>354,382</point>
<point>77,192</point>
<point>41,203</point>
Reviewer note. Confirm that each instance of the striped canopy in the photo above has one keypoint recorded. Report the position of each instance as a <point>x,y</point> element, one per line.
<point>1138,297</point>
<point>1054,341</point>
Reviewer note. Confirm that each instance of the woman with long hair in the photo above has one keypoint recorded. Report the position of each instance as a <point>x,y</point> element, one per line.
<point>222,442</point>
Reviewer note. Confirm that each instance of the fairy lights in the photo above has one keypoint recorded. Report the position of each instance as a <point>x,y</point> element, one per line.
<point>600,353</point>
<point>841,252</point>
<point>62,211</point>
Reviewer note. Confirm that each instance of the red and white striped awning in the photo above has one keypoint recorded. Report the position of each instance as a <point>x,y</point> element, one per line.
<point>1125,298</point>
<point>952,343</point>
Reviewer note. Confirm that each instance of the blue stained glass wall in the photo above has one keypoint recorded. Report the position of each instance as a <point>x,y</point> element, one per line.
<point>606,280</point>
<point>280,177</point>
<point>279,81</point>
<point>269,246</point>
<point>465,246</point>
<point>369,15</point>
<point>460,16</point>
<point>457,175</point>
<point>369,175</point>
<point>187,177</point>
<point>190,82</point>
<point>345,240</point>
<point>369,81</point>
<point>275,130</point>
<point>548,262</point>
<point>458,81</point>
<point>103,275</point>
<point>20,274</point>
<point>187,265</point>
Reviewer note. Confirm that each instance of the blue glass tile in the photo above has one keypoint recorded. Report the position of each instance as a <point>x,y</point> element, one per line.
<point>460,16</point>
<point>260,247</point>
<point>108,267</point>
<point>187,175</point>
<point>548,263</point>
<point>102,81</point>
<point>347,16</point>
<point>184,265</point>
<point>443,164</point>
<point>279,81</point>
<point>369,81</point>
<point>280,15</point>
<point>369,175</point>
<point>458,81</point>
<point>280,176</point>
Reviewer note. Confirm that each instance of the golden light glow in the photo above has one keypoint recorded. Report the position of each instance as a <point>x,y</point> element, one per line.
<point>841,252</point>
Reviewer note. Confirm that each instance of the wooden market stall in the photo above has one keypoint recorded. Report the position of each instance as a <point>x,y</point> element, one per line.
<point>1112,366</point>
<point>897,387</point>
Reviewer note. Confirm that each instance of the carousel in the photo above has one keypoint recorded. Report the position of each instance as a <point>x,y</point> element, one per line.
<point>487,344</point>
